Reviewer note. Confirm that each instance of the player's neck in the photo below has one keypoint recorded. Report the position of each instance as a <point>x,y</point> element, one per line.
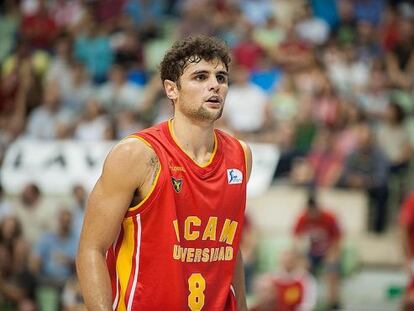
<point>195,139</point>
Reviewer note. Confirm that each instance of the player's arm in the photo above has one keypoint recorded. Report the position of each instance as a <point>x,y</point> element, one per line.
<point>248,157</point>
<point>127,168</point>
<point>238,275</point>
<point>239,283</point>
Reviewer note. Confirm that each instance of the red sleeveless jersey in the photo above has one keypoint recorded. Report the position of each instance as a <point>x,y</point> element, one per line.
<point>177,249</point>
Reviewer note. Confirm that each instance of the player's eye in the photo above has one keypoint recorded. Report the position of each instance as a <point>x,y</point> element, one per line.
<point>200,77</point>
<point>222,78</point>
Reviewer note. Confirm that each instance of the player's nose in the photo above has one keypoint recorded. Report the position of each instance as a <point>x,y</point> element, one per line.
<point>214,84</point>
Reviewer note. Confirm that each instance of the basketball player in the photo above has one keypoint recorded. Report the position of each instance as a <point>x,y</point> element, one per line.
<point>163,223</point>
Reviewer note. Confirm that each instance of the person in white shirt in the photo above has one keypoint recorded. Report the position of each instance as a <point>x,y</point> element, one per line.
<point>247,105</point>
<point>118,93</point>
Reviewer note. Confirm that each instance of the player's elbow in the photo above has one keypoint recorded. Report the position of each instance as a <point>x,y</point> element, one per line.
<point>87,256</point>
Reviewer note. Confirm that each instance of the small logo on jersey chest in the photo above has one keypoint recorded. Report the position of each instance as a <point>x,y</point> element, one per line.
<point>177,184</point>
<point>234,176</point>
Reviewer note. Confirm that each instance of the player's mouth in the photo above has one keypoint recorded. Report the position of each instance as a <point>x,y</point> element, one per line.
<point>214,101</point>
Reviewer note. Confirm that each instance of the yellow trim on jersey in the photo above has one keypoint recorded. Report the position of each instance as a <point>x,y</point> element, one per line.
<point>139,137</point>
<point>175,140</point>
<point>133,208</point>
<point>124,262</point>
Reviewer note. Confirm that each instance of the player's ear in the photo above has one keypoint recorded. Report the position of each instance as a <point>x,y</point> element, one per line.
<point>171,89</point>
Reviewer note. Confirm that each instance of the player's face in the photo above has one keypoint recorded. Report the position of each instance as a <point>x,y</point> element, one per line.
<point>202,90</point>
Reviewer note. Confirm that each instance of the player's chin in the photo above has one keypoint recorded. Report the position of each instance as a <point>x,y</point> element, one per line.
<point>215,115</point>
<point>214,111</point>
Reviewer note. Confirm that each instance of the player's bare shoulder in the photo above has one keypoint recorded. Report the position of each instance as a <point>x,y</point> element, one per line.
<point>133,160</point>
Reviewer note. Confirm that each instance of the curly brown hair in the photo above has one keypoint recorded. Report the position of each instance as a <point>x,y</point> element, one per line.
<point>192,50</point>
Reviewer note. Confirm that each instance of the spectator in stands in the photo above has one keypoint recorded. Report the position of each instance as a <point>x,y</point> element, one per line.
<point>266,75</point>
<point>285,100</point>
<point>345,32</point>
<point>303,129</point>
<point>269,35</point>
<point>35,215</point>
<point>118,93</point>
<point>323,164</point>
<point>60,63</point>
<point>327,10</point>
<point>10,232</point>
<point>366,168</point>
<point>247,106</point>
<point>77,89</point>
<point>406,222</point>
<point>197,17</point>
<point>17,284</point>
<point>94,125</point>
<point>93,48</point>
<point>394,140</point>
<point>39,28</point>
<point>20,76</point>
<point>321,229</point>
<point>14,288</point>
<point>67,14</point>
<point>311,28</point>
<point>367,45</point>
<point>290,288</point>
<point>348,73</point>
<point>256,11</point>
<point>347,128</point>
<point>326,104</point>
<point>247,52</point>
<point>50,120</point>
<point>146,15</point>
<point>70,76</point>
<point>369,10</point>
<point>293,54</point>
<point>374,98</point>
<point>129,52</point>
<point>54,255</point>
<point>9,23</point>
<point>400,59</point>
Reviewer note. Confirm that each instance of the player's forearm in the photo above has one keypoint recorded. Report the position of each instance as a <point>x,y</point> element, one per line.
<point>239,285</point>
<point>94,280</point>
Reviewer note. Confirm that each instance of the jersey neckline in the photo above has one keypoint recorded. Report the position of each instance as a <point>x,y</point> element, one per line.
<point>204,169</point>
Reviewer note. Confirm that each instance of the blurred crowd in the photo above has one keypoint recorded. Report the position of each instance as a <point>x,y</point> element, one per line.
<point>329,82</point>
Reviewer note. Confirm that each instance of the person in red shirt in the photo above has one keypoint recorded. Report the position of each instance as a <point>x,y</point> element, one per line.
<point>39,28</point>
<point>164,221</point>
<point>406,220</point>
<point>321,230</point>
<point>291,288</point>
